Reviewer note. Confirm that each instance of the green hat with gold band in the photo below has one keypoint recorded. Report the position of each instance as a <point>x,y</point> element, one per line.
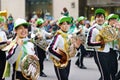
<point>19,22</point>
<point>81,18</point>
<point>65,19</point>
<point>39,21</point>
<point>112,16</point>
<point>99,11</point>
<point>1,19</point>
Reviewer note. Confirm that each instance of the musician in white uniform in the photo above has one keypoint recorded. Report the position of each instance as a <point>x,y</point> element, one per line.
<point>41,34</point>
<point>19,48</point>
<point>101,56</point>
<point>112,21</point>
<point>81,51</point>
<point>61,42</point>
<point>3,40</point>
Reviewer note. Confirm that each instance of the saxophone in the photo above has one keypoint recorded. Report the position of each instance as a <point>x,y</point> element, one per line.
<point>107,34</point>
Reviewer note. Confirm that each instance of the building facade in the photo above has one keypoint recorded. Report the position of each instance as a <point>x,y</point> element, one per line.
<point>76,8</point>
<point>14,7</point>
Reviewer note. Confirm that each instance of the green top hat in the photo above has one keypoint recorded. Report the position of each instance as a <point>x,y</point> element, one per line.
<point>1,19</point>
<point>65,19</point>
<point>99,11</point>
<point>81,18</point>
<point>112,16</point>
<point>39,21</point>
<point>19,22</point>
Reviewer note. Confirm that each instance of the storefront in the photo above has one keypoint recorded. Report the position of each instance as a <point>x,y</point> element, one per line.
<point>110,6</point>
<point>39,7</point>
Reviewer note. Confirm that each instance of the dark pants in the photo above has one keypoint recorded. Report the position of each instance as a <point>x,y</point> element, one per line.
<point>114,63</point>
<point>118,76</point>
<point>2,63</point>
<point>41,55</point>
<point>17,74</point>
<point>107,65</point>
<point>63,74</point>
<point>81,54</point>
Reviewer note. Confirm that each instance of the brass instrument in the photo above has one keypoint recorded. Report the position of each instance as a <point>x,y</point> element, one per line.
<point>3,13</point>
<point>63,62</point>
<point>30,67</point>
<point>37,39</point>
<point>66,55</point>
<point>42,43</point>
<point>8,47</point>
<point>107,34</point>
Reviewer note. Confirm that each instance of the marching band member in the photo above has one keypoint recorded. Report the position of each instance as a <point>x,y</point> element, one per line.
<point>112,21</point>
<point>81,51</point>
<point>101,57</point>
<point>41,53</point>
<point>3,40</point>
<point>60,41</point>
<point>19,49</point>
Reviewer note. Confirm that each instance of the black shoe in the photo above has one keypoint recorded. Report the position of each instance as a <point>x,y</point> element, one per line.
<point>77,65</point>
<point>43,75</point>
<point>83,67</point>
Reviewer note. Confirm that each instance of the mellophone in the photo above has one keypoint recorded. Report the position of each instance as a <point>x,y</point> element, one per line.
<point>108,34</point>
<point>29,65</point>
<point>66,55</point>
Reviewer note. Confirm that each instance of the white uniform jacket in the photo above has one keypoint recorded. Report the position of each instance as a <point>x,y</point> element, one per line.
<point>19,52</point>
<point>57,42</point>
<point>91,39</point>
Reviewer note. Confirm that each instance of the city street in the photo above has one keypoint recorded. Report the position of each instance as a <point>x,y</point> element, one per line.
<point>91,73</point>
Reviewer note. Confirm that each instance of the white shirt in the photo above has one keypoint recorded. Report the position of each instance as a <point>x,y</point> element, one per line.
<point>3,36</point>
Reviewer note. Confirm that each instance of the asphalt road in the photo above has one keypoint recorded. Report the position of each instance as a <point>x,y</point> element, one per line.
<point>91,73</point>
